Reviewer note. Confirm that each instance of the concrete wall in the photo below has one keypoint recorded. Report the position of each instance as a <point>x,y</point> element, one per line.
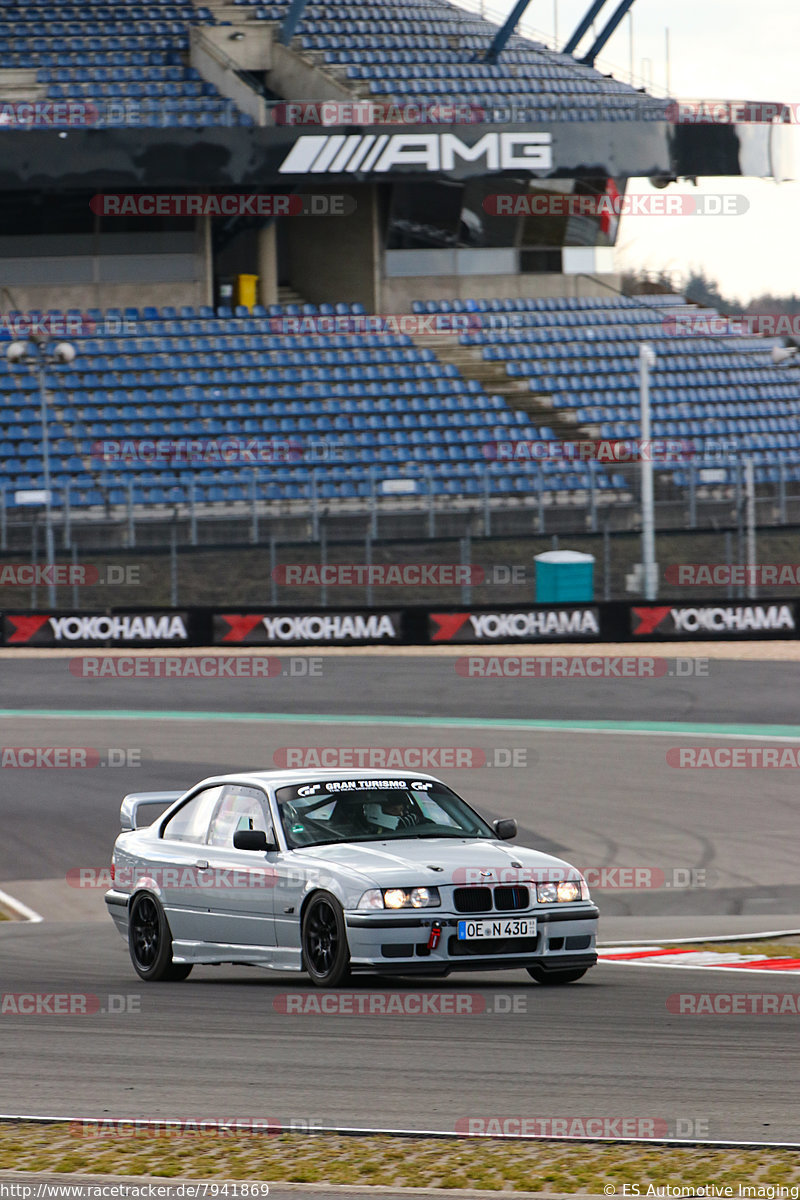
<point>397,294</point>
<point>217,60</point>
<point>248,44</point>
<point>338,258</point>
<point>105,271</point>
<point>297,79</point>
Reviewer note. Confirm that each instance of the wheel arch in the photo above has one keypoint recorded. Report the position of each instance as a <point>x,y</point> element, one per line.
<point>321,891</point>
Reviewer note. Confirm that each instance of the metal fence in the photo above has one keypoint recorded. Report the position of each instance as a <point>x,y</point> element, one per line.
<point>185,554</point>
<point>699,495</point>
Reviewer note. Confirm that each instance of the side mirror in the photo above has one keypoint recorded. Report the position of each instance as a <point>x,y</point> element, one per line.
<point>505,829</point>
<point>252,839</point>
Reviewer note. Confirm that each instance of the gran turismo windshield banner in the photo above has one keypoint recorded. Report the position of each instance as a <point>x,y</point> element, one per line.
<point>338,787</point>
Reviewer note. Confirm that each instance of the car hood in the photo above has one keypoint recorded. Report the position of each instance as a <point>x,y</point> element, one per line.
<point>410,861</point>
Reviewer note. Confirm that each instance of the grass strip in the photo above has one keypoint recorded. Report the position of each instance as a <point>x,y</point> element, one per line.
<point>492,1165</point>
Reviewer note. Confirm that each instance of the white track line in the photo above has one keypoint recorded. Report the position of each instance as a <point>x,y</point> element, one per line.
<point>22,910</point>
<point>441,1134</point>
<point>734,937</point>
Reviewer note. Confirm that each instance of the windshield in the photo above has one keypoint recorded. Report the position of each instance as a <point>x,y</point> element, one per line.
<point>362,810</point>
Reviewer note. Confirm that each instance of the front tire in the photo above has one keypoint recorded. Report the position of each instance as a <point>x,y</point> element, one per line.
<point>326,955</point>
<point>555,978</point>
<point>150,942</point>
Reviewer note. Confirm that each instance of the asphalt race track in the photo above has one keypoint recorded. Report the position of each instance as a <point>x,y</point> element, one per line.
<point>218,1046</point>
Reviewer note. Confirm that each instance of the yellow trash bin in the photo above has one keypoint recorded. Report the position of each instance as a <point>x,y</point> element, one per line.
<point>247,290</point>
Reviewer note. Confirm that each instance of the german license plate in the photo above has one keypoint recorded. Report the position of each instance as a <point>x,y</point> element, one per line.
<point>472,931</point>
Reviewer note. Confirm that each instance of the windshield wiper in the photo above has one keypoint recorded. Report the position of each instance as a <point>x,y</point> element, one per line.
<point>444,835</point>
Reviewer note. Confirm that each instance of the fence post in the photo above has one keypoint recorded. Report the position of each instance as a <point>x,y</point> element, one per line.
<point>75,592</point>
<point>3,527</point>
<point>314,509</point>
<point>487,511</point>
<point>466,556</point>
<point>368,561</point>
<point>693,495</point>
<point>273,571</point>
<point>729,561</point>
<point>34,557</point>
<point>592,500</point>
<point>739,526</point>
<point>67,517</point>
<point>131,526</point>
<point>539,500</point>
<point>373,504</point>
<point>323,561</point>
<point>192,511</point>
<point>173,568</point>
<point>606,563</point>
<point>781,491</point>
<point>253,511</point>
<point>431,513</point>
<point>750,494</point>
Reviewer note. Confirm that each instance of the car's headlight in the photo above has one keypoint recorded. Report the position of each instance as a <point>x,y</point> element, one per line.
<point>418,897</point>
<point>562,893</point>
<point>568,890</point>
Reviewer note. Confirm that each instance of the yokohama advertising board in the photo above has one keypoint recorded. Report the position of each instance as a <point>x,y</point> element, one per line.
<point>710,621</point>
<point>307,628</point>
<point>516,625</point>
<point>169,628</point>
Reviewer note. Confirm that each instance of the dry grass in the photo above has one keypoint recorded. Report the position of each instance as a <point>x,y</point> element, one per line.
<point>411,1162</point>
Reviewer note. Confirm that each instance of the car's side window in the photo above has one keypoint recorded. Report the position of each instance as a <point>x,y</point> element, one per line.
<point>240,808</point>
<point>190,822</point>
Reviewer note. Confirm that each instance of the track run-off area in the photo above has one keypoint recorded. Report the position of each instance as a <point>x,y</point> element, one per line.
<point>590,768</point>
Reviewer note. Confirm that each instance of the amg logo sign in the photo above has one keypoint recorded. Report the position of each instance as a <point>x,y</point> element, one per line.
<point>334,154</point>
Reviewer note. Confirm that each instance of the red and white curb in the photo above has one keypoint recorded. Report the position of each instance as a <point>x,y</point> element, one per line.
<point>696,960</point>
<point>19,911</point>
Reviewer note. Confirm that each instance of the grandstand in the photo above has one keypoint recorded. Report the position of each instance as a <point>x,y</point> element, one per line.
<point>347,408</point>
<point>104,51</point>
<point>193,92</point>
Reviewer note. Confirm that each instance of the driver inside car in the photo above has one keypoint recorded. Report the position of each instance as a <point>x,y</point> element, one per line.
<point>396,812</point>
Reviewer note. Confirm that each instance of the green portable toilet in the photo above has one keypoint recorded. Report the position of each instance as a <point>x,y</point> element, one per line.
<point>564,577</point>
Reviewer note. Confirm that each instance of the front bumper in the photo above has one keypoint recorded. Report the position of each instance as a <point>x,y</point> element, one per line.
<point>398,943</point>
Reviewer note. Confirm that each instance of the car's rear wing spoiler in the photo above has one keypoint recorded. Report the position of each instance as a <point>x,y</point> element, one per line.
<point>131,804</point>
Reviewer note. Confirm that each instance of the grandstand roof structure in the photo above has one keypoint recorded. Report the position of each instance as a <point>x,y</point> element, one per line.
<point>134,69</point>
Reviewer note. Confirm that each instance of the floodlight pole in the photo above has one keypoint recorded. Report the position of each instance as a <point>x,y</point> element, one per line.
<point>750,509</point>
<point>50,554</point>
<point>647,359</point>
<point>19,352</point>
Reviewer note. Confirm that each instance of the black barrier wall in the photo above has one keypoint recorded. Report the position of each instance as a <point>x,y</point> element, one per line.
<point>608,622</point>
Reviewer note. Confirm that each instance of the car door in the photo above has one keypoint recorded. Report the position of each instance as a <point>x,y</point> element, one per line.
<point>295,873</point>
<point>241,896</point>
<point>173,865</point>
